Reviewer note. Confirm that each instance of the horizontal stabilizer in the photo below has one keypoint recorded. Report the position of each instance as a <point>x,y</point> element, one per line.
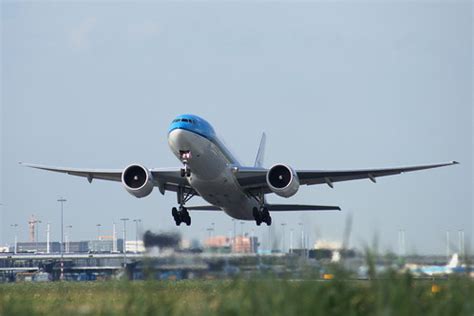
<point>203,208</point>
<point>298,207</point>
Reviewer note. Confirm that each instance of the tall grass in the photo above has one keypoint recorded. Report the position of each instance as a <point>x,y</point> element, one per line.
<point>389,295</point>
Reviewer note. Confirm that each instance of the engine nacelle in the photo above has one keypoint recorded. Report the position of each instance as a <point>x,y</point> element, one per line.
<point>138,180</point>
<point>283,180</point>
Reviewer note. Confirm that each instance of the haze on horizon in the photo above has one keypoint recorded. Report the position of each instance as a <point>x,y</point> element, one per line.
<point>334,86</point>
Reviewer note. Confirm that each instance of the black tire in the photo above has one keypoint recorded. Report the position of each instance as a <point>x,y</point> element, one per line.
<point>268,221</point>
<point>255,213</point>
<point>174,212</point>
<point>188,220</point>
<point>259,222</point>
<point>183,173</point>
<point>188,172</point>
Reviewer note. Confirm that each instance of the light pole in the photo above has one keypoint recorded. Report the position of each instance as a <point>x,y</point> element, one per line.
<point>37,222</point>
<point>62,201</point>
<point>1,222</point>
<point>15,227</point>
<point>124,220</point>
<point>302,239</point>
<point>283,246</point>
<point>252,245</point>
<point>209,232</point>
<point>448,248</point>
<point>48,231</point>
<point>69,237</point>
<point>233,237</point>
<point>291,241</point>
<point>241,235</point>
<point>98,231</point>
<point>114,238</point>
<point>461,243</point>
<point>136,233</point>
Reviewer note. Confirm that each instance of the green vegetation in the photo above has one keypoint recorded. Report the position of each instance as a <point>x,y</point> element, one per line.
<point>389,295</point>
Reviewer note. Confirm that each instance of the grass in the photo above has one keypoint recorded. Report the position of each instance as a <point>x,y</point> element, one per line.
<point>390,295</point>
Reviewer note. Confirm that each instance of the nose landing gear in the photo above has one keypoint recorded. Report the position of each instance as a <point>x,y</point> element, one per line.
<point>185,156</point>
<point>185,172</point>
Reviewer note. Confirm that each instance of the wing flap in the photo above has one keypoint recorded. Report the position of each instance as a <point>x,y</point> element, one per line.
<point>203,208</point>
<point>299,207</point>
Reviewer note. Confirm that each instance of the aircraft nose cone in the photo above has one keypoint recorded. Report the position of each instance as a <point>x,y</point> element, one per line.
<point>178,139</point>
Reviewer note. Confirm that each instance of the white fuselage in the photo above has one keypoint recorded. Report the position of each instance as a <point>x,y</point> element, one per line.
<point>211,173</point>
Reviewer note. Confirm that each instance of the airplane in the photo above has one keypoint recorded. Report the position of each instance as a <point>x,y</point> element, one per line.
<point>211,171</point>
<point>452,266</point>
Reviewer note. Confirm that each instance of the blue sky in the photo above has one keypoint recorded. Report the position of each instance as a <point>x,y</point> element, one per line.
<point>334,85</point>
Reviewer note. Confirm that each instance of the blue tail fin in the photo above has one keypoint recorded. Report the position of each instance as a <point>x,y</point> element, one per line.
<point>261,151</point>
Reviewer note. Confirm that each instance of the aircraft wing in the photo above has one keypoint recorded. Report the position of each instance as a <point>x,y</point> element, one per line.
<point>254,179</point>
<point>167,179</point>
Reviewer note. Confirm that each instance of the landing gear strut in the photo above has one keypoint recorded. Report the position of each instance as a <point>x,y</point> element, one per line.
<point>185,156</point>
<point>181,214</point>
<point>261,214</point>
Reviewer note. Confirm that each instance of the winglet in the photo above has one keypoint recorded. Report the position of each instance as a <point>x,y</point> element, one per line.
<point>261,151</point>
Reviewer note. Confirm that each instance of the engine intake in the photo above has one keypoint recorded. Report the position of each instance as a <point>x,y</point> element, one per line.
<point>283,180</point>
<point>138,181</point>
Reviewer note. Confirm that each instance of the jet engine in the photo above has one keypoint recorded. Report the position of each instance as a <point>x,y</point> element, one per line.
<point>283,180</point>
<point>138,181</point>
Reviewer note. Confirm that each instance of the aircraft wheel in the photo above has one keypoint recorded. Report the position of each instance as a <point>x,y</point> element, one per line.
<point>183,172</point>
<point>174,212</point>
<point>255,213</point>
<point>268,221</point>
<point>187,220</point>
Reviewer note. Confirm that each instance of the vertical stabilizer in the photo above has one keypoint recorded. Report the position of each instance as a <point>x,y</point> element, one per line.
<point>261,151</point>
<point>454,261</point>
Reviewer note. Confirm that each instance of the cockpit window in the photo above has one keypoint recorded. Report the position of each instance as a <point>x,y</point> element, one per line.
<point>191,121</point>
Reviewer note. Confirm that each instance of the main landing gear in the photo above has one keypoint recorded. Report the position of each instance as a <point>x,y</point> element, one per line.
<point>261,214</point>
<point>181,214</point>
